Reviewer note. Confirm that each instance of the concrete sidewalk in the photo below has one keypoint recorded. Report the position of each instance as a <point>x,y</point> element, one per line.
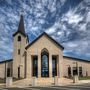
<point>62,82</point>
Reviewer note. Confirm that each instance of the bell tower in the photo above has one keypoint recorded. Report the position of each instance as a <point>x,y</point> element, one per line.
<point>20,41</point>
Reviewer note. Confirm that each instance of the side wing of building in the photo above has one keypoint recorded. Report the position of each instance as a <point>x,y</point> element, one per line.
<point>74,66</point>
<point>5,69</point>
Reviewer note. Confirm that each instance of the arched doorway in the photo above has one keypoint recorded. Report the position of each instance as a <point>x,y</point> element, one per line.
<point>44,63</point>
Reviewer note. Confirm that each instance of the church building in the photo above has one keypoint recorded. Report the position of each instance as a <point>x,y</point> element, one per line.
<point>41,58</point>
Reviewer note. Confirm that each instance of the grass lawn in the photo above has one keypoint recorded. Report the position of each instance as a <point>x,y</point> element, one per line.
<point>84,78</point>
<point>80,78</point>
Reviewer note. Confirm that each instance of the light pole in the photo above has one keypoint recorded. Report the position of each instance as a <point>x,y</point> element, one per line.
<point>75,77</point>
<point>69,71</point>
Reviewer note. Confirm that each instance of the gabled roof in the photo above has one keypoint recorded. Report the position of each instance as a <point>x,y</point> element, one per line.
<point>9,60</point>
<point>77,59</point>
<point>40,37</point>
<point>21,27</point>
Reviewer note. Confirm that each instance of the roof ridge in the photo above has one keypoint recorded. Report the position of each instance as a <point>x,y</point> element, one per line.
<point>76,58</point>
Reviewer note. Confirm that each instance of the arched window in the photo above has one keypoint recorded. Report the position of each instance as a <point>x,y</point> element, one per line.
<point>19,38</point>
<point>44,63</point>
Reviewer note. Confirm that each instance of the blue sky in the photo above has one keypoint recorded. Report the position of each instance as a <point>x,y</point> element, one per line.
<point>67,21</point>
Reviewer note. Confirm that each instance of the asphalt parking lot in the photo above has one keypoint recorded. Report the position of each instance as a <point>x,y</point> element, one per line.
<point>73,87</point>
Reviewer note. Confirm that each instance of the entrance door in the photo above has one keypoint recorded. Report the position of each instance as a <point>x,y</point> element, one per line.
<point>18,72</point>
<point>8,72</point>
<point>35,66</point>
<point>75,71</point>
<point>54,66</point>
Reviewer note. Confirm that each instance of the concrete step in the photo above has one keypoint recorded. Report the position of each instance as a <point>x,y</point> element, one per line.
<point>45,81</point>
<point>42,81</point>
<point>23,82</point>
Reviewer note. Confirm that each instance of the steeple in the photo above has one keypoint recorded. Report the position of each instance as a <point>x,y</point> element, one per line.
<point>21,28</point>
<point>21,25</point>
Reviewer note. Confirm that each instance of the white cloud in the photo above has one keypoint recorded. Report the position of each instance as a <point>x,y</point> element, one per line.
<point>71,17</point>
<point>87,1</point>
<point>71,44</point>
<point>66,27</point>
<point>88,17</point>
<point>59,33</point>
<point>62,1</point>
<point>9,1</point>
<point>82,27</point>
<point>51,30</point>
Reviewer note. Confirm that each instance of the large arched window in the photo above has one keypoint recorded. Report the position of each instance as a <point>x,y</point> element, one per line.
<point>44,63</point>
